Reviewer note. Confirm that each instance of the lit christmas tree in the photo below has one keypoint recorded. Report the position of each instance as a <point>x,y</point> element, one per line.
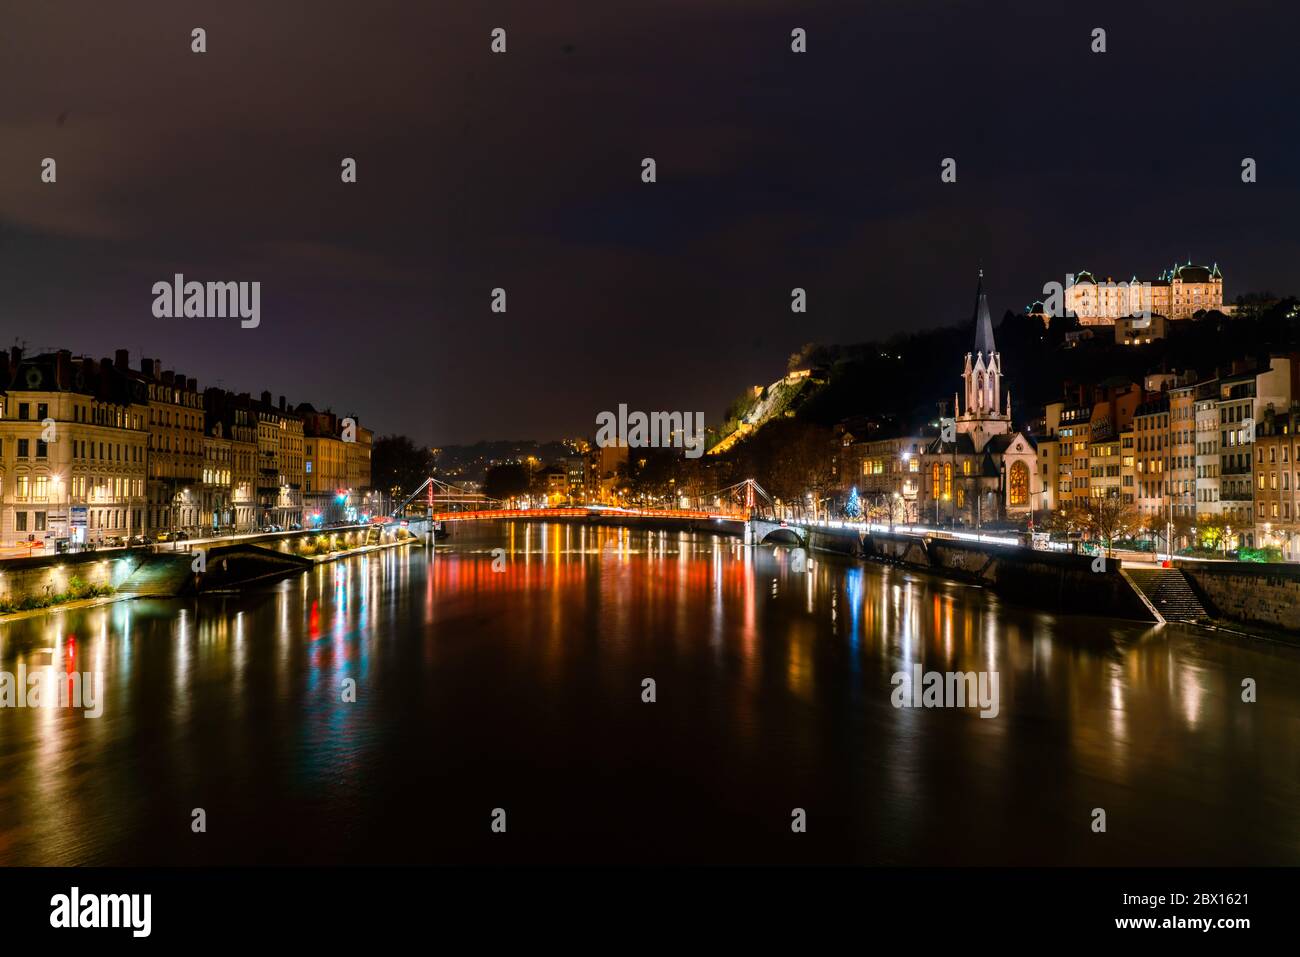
<point>853,507</point>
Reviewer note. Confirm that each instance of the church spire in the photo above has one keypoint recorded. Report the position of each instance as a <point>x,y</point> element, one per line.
<point>984,416</point>
<point>983,324</point>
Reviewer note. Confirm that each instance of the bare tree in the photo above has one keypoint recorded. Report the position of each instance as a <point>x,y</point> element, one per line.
<point>1106,518</point>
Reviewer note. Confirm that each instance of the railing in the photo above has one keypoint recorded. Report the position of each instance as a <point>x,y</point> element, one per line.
<point>586,511</point>
<point>581,511</point>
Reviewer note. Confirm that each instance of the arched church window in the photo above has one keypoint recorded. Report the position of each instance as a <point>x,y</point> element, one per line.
<point>1019,484</point>
<point>947,479</point>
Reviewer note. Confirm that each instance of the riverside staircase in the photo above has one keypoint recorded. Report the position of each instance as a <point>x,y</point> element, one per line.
<point>1170,592</point>
<point>159,576</point>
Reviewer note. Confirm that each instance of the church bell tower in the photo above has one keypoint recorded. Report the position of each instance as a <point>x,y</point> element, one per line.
<point>986,412</point>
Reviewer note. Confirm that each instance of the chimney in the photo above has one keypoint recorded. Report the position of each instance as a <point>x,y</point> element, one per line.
<point>192,385</point>
<point>266,398</point>
<point>281,403</point>
<point>15,357</point>
<point>122,359</point>
<point>63,369</point>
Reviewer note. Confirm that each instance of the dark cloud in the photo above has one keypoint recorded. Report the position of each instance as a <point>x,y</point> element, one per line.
<point>522,171</point>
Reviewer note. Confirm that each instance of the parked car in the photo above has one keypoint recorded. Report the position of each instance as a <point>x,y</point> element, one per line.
<point>179,536</point>
<point>296,527</point>
<point>138,540</point>
<point>114,541</point>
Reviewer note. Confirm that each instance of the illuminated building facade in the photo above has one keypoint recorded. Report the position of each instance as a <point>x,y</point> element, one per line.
<point>1277,482</point>
<point>1180,292</point>
<point>73,451</point>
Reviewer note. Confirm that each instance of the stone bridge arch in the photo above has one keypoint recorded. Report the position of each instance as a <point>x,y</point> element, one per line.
<point>778,534</point>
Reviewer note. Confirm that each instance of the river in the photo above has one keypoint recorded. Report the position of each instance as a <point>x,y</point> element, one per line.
<point>379,709</point>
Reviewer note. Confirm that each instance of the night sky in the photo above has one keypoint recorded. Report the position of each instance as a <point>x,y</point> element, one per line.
<point>523,171</point>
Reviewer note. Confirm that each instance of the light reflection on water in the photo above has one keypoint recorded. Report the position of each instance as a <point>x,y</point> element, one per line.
<point>521,688</point>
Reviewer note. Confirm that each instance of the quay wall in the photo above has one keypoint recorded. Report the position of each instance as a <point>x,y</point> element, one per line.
<point>49,575</point>
<point>1048,580</point>
<point>1247,592</point>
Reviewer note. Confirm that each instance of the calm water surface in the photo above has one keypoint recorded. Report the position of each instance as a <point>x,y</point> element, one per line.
<point>521,689</point>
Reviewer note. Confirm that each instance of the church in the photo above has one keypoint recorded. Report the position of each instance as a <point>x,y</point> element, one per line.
<point>979,471</point>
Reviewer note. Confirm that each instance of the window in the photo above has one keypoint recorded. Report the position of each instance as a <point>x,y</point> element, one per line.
<point>1019,484</point>
<point>23,448</point>
<point>40,521</point>
<point>23,413</point>
<point>42,411</point>
<point>20,521</point>
<point>20,486</point>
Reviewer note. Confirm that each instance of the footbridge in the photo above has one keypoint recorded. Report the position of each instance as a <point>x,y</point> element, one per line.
<point>744,507</point>
<point>755,508</point>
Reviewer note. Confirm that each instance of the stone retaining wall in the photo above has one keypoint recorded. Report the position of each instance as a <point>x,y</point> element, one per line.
<point>1049,580</point>
<point>1249,593</point>
<point>51,574</point>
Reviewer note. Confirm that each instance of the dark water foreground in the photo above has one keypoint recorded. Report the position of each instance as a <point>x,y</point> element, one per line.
<point>521,689</point>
